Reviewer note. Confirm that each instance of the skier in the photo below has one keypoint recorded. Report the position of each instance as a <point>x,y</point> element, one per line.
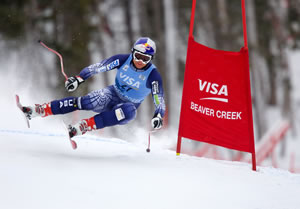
<point>136,78</point>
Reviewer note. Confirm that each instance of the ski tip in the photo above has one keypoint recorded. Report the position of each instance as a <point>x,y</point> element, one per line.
<point>39,41</point>
<point>74,144</point>
<point>20,107</point>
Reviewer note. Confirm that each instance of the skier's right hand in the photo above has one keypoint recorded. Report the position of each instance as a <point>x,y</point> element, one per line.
<point>157,121</point>
<point>73,82</point>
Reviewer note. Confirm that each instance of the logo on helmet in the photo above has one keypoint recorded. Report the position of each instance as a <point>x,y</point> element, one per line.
<point>145,45</point>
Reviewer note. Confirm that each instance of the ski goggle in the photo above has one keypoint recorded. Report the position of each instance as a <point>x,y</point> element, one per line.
<point>145,58</point>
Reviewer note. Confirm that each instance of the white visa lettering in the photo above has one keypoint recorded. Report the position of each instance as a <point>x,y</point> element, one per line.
<point>130,81</point>
<point>136,84</point>
<point>213,88</point>
<point>208,86</point>
<point>223,90</point>
<point>202,86</point>
<point>122,75</point>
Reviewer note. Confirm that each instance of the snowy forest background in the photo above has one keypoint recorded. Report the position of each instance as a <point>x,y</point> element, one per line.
<point>88,31</point>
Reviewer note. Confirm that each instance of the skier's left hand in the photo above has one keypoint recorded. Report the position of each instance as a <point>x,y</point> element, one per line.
<point>157,121</point>
<point>73,82</point>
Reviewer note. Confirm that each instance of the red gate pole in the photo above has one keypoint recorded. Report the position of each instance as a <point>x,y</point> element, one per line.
<point>249,99</point>
<point>178,145</point>
<point>244,23</point>
<point>190,36</point>
<point>192,18</point>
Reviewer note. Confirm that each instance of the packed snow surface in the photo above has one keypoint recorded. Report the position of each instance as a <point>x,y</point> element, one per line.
<point>39,169</point>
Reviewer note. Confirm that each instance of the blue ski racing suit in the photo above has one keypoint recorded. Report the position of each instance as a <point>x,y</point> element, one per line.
<point>117,103</point>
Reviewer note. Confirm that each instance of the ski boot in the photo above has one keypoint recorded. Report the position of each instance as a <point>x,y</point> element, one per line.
<point>82,127</point>
<point>38,110</point>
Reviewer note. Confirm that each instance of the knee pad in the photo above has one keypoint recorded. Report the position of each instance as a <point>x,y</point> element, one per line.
<point>125,112</point>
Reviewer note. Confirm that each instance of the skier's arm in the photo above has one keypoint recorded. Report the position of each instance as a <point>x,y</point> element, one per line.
<point>103,66</point>
<point>106,65</point>
<point>156,85</point>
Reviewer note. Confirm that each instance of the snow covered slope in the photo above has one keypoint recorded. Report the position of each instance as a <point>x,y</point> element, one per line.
<point>38,169</point>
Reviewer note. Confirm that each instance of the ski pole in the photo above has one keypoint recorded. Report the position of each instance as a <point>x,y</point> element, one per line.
<point>60,57</point>
<point>149,134</point>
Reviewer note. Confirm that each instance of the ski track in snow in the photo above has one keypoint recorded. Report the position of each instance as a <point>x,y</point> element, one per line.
<point>40,170</point>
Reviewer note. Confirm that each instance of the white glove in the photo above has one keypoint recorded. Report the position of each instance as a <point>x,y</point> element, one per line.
<point>157,121</point>
<point>73,82</point>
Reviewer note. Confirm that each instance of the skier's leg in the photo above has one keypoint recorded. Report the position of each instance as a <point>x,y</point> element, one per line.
<point>97,101</point>
<point>119,115</point>
<point>55,107</point>
<point>64,106</point>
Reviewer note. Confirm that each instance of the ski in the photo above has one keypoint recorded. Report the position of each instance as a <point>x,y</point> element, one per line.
<point>73,143</point>
<point>19,105</point>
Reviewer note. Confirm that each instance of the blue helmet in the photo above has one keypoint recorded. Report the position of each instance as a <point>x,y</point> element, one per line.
<point>145,45</point>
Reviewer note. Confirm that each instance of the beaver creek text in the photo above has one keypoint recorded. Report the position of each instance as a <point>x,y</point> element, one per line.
<point>216,113</point>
